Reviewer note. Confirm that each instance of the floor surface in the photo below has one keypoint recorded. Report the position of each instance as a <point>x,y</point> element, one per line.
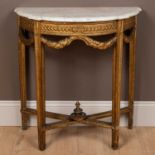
<point>78,140</point>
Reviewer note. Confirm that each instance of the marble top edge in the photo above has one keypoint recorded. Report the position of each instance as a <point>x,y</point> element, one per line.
<point>136,7</point>
<point>77,14</point>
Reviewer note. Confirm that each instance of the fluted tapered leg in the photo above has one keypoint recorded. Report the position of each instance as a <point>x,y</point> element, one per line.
<point>22,77</point>
<point>40,86</point>
<point>116,92</point>
<point>132,47</point>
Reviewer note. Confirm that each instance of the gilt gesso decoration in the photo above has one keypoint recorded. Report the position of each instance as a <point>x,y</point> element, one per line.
<point>35,24</point>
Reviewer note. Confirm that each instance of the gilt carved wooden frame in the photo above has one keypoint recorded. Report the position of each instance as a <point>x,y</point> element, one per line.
<point>76,31</point>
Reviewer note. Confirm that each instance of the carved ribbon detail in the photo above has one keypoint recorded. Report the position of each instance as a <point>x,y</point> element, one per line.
<point>127,39</point>
<point>87,40</point>
<point>26,41</point>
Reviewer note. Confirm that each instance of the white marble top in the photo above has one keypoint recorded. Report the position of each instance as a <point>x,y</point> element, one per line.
<point>77,14</point>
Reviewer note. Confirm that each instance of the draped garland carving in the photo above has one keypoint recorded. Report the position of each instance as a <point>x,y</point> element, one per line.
<point>87,40</point>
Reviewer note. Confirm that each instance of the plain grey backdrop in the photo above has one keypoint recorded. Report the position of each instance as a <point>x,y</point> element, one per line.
<point>77,72</point>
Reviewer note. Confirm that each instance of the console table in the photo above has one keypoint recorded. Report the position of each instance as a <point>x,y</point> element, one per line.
<point>35,24</point>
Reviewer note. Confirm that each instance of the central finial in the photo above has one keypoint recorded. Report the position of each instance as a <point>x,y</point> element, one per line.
<point>78,113</point>
<point>77,110</point>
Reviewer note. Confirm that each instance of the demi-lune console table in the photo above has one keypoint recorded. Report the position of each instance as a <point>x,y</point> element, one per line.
<point>74,23</point>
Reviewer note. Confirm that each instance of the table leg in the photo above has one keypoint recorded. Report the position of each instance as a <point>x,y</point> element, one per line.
<point>132,46</point>
<point>40,86</point>
<point>116,90</point>
<point>22,77</point>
